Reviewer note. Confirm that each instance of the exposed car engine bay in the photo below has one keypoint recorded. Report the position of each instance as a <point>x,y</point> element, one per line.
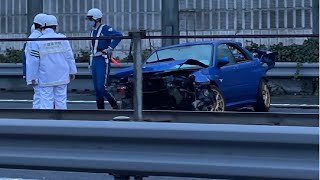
<point>169,90</point>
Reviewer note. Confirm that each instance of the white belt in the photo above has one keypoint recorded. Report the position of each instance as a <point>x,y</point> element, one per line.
<point>100,54</point>
<point>97,54</point>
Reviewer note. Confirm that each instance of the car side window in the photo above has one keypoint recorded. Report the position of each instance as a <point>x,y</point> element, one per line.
<point>238,55</point>
<point>224,51</point>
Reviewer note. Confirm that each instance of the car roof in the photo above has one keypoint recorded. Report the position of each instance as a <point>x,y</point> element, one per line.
<point>214,42</point>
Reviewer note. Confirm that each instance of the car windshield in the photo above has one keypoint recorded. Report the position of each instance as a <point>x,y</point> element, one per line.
<point>202,53</point>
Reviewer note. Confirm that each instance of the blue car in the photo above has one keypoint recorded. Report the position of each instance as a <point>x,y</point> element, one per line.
<point>215,75</point>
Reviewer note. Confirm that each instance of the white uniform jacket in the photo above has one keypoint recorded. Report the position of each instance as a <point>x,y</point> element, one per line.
<point>34,34</point>
<point>52,61</point>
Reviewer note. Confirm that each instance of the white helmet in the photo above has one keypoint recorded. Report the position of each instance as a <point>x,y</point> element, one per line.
<point>94,14</point>
<point>33,27</point>
<point>51,20</point>
<point>39,19</point>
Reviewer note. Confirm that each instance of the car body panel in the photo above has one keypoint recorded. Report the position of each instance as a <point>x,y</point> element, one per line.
<point>239,82</point>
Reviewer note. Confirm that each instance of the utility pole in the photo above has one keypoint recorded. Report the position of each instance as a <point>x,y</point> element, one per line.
<point>34,7</point>
<point>315,16</point>
<point>170,21</point>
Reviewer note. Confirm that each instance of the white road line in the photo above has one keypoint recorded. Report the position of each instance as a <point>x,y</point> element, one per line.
<point>296,105</point>
<point>80,102</point>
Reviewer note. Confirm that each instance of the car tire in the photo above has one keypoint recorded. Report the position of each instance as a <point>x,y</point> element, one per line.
<point>221,105</point>
<point>217,106</point>
<point>263,98</point>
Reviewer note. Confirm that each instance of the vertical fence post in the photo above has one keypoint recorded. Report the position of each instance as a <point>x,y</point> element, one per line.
<point>34,7</point>
<point>170,21</point>
<point>315,16</point>
<point>138,78</point>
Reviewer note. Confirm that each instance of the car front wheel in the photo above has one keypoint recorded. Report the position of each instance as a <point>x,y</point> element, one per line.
<point>218,103</point>
<point>210,100</point>
<point>263,98</point>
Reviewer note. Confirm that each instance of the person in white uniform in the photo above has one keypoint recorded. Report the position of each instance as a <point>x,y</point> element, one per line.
<point>38,23</point>
<point>53,65</point>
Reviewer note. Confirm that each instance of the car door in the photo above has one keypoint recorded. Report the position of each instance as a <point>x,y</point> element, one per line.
<point>245,73</point>
<point>226,74</point>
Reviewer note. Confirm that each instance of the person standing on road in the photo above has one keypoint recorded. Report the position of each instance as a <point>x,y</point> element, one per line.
<point>38,23</point>
<point>101,54</point>
<point>54,65</point>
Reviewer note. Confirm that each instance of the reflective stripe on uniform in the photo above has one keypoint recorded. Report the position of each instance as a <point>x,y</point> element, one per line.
<point>95,48</point>
<point>35,53</point>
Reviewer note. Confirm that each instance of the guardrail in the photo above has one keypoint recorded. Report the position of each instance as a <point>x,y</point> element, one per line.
<point>243,118</point>
<point>282,69</point>
<point>15,70</point>
<point>142,149</point>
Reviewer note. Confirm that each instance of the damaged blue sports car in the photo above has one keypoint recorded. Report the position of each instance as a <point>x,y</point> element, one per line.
<point>202,76</point>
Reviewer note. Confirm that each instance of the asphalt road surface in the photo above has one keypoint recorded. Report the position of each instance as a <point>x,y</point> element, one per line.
<point>86,101</point>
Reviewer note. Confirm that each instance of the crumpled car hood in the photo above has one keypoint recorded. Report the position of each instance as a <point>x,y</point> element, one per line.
<point>158,67</point>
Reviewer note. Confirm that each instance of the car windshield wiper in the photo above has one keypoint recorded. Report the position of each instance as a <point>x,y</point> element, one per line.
<point>161,60</point>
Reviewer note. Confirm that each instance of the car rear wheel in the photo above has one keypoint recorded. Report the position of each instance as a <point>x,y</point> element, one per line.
<point>263,98</point>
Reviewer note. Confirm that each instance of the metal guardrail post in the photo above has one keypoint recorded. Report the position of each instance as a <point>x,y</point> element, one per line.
<point>138,79</point>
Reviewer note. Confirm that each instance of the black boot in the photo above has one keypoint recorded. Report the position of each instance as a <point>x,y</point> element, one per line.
<point>113,103</point>
<point>100,103</point>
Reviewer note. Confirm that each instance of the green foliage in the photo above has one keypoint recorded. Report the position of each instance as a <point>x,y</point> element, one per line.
<point>11,56</point>
<point>3,59</point>
<point>145,54</point>
<point>14,55</point>
<point>308,52</point>
<point>83,56</point>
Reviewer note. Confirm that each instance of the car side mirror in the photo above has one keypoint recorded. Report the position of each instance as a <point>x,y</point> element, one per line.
<point>223,61</point>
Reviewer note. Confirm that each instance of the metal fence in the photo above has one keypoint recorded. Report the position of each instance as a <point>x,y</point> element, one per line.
<point>201,17</point>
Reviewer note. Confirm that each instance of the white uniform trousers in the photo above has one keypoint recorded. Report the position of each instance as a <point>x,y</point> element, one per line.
<point>36,97</point>
<point>53,96</point>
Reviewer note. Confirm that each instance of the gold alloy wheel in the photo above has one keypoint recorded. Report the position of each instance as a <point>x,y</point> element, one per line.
<point>266,95</point>
<point>218,105</point>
